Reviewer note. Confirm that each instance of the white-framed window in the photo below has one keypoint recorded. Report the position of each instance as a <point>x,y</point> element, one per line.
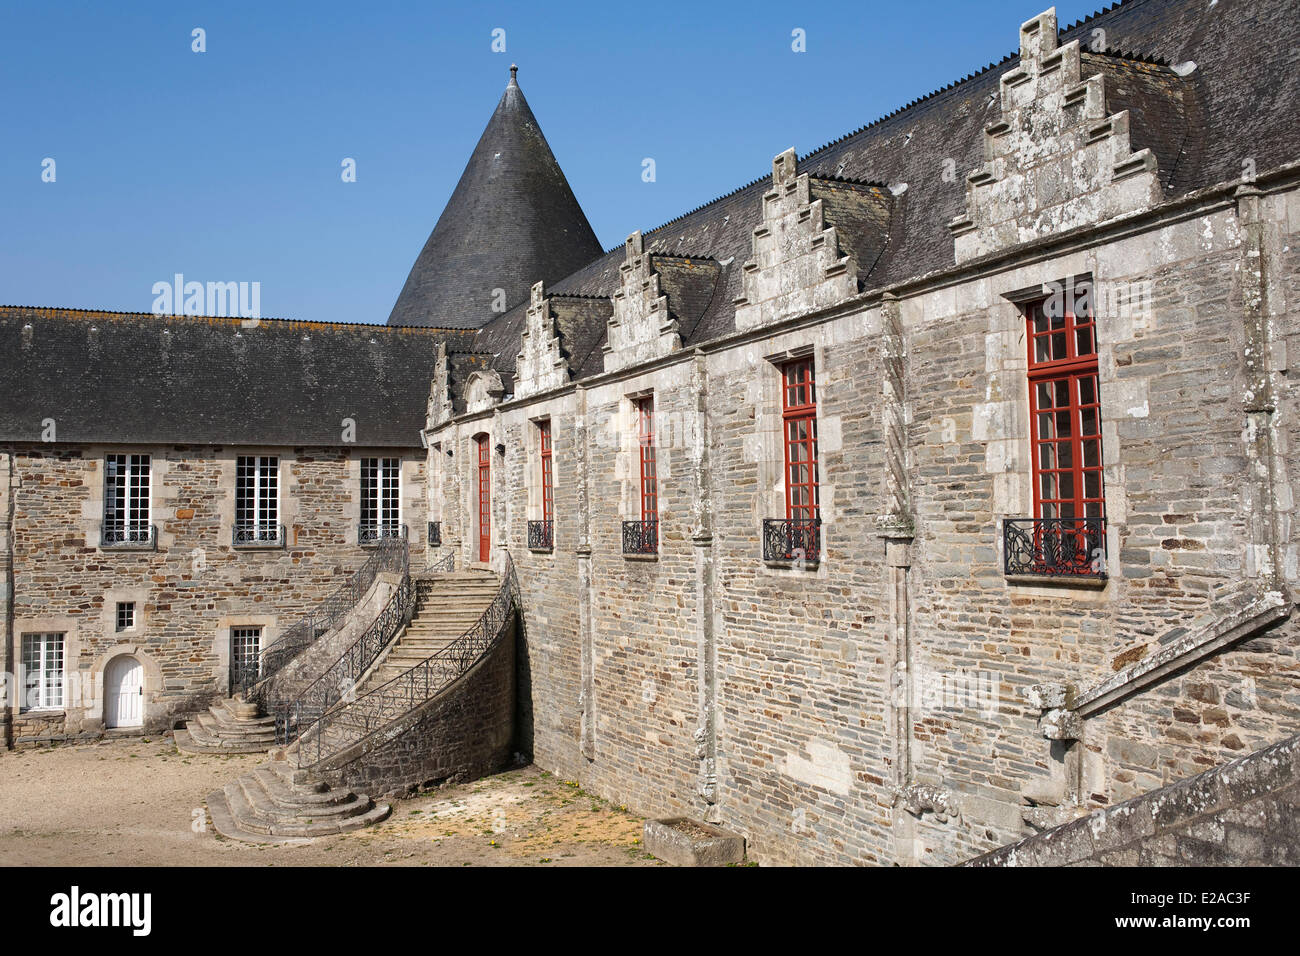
<point>381,498</point>
<point>126,499</point>
<point>257,499</point>
<point>246,650</point>
<point>42,672</point>
<point>125,615</point>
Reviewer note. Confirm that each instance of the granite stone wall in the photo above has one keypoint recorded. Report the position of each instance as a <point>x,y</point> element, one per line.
<point>904,700</point>
<point>1244,813</point>
<point>194,587</point>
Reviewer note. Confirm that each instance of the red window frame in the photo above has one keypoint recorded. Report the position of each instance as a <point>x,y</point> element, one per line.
<point>645,430</point>
<point>799,439</point>
<point>548,489</point>
<point>484,497</point>
<point>1064,412</point>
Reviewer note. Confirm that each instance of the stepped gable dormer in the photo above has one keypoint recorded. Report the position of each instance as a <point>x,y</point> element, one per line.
<point>659,298</point>
<point>541,364</point>
<point>559,334</point>
<point>448,394</point>
<point>819,239</point>
<point>439,408</point>
<point>1058,159</point>
<point>511,220</point>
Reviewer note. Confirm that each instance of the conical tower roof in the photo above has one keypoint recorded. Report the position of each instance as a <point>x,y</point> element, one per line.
<point>511,221</point>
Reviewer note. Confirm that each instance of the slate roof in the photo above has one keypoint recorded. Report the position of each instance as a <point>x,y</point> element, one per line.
<point>132,378</point>
<point>511,221</point>
<point>1241,99</point>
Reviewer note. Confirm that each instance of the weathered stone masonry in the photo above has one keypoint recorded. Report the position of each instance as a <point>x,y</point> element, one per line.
<point>903,700</point>
<point>194,587</point>
<point>901,697</point>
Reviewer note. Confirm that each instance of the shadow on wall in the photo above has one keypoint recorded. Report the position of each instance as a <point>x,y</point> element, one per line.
<point>523,733</point>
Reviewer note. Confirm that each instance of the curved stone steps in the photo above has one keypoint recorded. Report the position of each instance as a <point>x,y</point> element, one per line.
<point>275,802</point>
<point>228,727</point>
<point>448,605</point>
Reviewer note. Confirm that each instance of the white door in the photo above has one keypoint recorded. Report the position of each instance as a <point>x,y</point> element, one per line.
<point>123,693</point>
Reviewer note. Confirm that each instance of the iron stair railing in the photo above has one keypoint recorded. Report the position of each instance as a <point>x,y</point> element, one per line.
<point>391,554</point>
<point>350,722</point>
<point>339,680</point>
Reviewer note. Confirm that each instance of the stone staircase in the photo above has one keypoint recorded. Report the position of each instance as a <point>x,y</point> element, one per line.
<point>279,801</point>
<point>228,727</point>
<point>276,802</point>
<point>446,606</point>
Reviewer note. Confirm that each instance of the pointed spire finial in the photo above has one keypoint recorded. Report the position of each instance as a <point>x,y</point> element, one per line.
<point>514,72</point>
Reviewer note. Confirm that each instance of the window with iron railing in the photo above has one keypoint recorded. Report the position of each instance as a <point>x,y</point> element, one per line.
<point>127,483</point>
<point>381,500</point>
<point>1066,535</point>
<point>257,502</point>
<point>642,537</point>
<point>797,537</point>
<point>541,534</point>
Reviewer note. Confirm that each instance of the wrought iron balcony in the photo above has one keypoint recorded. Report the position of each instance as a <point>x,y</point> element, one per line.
<point>369,534</point>
<point>257,536</point>
<point>1055,546</point>
<point>641,537</point>
<point>541,535</point>
<point>797,539</point>
<point>435,534</point>
<point>128,536</point>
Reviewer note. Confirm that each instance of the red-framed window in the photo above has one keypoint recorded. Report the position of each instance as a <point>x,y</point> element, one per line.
<point>799,425</point>
<point>1065,412</point>
<point>548,486</point>
<point>645,430</point>
<point>484,496</point>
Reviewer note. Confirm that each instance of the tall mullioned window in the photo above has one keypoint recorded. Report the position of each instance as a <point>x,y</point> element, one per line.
<point>1065,411</point>
<point>798,537</point>
<point>257,499</point>
<point>381,498</point>
<point>42,671</point>
<point>541,534</point>
<point>1067,533</point>
<point>642,536</point>
<point>126,499</point>
<point>245,657</point>
<point>548,484</point>
<point>799,420</point>
<point>645,421</point>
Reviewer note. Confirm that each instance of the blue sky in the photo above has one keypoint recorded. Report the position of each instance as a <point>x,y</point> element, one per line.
<point>225,165</point>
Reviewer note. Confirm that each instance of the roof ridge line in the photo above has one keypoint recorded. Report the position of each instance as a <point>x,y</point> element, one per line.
<point>572,295</point>
<point>72,312</point>
<point>682,255</point>
<point>876,122</point>
<point>874,184</point>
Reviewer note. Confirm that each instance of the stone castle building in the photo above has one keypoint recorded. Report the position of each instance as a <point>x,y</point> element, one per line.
<point>931,492</point>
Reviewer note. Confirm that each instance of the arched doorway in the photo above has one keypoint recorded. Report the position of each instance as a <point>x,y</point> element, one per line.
<point>124,692</point>
<point>484,497</point>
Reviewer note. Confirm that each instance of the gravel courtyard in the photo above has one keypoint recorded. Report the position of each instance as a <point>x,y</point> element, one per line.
<point>136,801</point>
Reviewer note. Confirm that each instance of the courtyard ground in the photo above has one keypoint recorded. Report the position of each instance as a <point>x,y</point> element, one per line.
<point>136,801</point>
